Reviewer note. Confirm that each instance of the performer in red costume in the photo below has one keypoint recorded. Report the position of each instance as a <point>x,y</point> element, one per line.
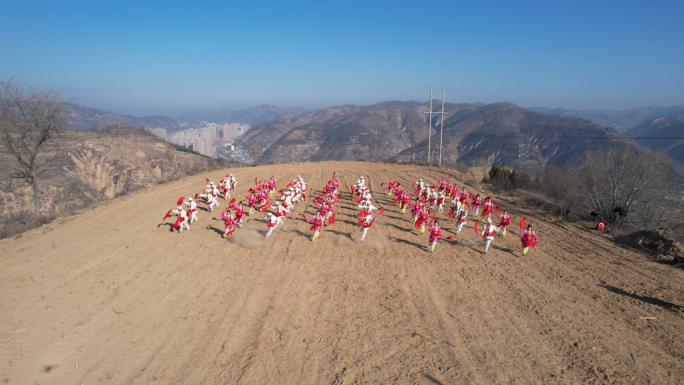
<point>192,209</point>
<point>461,217</point>
<point>405,201</point>
<point>528,238</point>
<point>182,219</point>
<point>504,221</point>
<point>366,220</point>
<point>229,222</point>
<point>422,219</point>
<point>280,210</point>
<point>416,209</point>
<point>489,208</point>
<point>317,223</point>
<point>435,235</point>
<point>239,212</point>
<point>273,222</point>
<point>476,202</point>
<point>488,233</point>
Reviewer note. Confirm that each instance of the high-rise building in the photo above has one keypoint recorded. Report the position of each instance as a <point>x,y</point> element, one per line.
<point>158,132</point>
<point>229,130</point>
<point>200,140</point>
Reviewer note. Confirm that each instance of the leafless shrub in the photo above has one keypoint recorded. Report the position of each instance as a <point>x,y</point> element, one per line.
<point>560,186</point>
<point>627,185</point>
<point>17,223</point>
<point>505,178</point>
<point>653,212</point>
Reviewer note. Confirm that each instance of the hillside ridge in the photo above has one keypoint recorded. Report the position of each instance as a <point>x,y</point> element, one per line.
<point>113,291</point>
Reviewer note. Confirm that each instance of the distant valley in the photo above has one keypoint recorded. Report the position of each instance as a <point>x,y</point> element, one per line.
<point>501,133</point>
<point>473,134</point>
<point>621,120</point>
<point>87,119</point>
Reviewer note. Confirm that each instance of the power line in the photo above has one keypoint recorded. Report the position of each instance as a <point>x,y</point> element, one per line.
<point>577,137</point>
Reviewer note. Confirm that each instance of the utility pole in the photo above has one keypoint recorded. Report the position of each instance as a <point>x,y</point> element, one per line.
<point>441,130</point>
<point>430,126</point>
<point>411,142</point>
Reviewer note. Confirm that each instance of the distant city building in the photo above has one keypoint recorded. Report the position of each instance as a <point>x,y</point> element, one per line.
<point>199,140</point>
<point>158,132</point>
<point>205,138</point>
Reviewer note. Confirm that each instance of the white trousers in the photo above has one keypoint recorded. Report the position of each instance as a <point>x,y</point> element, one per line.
<point>183,223</point>
<point>488,241</point>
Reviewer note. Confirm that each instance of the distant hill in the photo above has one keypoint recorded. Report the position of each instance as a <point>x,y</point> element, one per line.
<point>622,120</point>
<point>376,132</point>
<point>86,119</point>
<point>252,116</point>
<point>472,132</point>
<point>495,132</point>
<point>266,134</point>
<point>664,126</point>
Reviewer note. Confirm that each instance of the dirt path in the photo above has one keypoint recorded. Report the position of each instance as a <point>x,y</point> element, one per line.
<point>114,292</point>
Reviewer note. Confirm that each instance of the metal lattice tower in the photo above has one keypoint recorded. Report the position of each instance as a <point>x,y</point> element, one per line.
<point>430,125</point>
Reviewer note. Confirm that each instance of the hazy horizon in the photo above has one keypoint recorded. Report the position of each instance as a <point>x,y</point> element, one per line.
<point>176,114</point>
<point>174,58</point>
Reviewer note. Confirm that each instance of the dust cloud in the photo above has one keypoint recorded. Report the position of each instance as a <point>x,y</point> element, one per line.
<point>249,238</point>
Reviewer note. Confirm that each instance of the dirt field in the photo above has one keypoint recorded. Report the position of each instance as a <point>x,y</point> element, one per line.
<point>112,296</point>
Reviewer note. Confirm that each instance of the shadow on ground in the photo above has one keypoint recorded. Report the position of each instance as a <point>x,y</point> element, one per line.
<point>649,300</point>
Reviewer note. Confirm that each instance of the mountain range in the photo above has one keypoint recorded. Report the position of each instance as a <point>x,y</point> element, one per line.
<point>621,120</point>
<point>86,118</point>
<point>662,127</point>
<point>472,133</point>
<point>252,116</point>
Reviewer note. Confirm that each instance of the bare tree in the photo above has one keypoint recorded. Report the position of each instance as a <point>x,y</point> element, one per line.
<point>559,185</point>
<point>614,183</point>
<point>253,152</point>
<point>31,120</point>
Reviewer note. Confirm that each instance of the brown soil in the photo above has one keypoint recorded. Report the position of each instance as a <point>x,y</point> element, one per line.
<point>112,296</point>
<point>656,242</point>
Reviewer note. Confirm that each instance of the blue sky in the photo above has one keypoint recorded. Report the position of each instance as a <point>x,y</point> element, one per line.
<point>170,57</point>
